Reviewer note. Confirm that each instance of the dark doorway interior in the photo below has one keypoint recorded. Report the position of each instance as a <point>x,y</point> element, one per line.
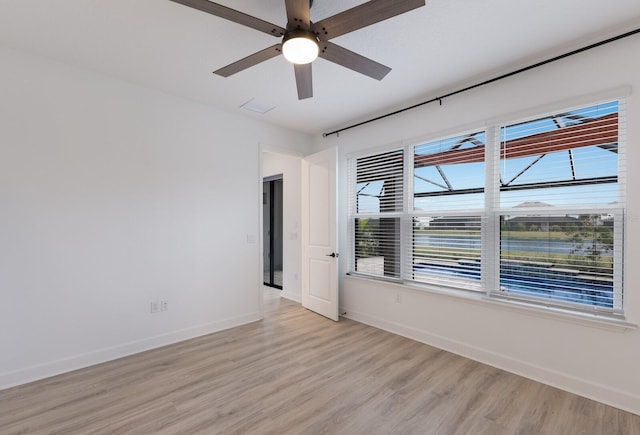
<point>272,201</point>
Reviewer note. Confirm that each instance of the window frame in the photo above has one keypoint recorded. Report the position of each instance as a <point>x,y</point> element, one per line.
<point>489,286</point>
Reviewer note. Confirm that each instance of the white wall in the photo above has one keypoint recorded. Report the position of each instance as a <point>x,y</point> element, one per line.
<point>290,166</point>
<point>595,362</point>
<point>112,196</point>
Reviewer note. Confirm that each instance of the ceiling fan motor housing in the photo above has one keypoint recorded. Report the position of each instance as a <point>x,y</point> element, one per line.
<point>300,46</point>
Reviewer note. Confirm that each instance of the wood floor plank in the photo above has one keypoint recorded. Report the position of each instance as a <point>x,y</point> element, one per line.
<point>298,373</point>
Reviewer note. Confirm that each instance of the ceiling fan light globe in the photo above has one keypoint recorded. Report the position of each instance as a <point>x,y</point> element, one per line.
<point>300,49</point>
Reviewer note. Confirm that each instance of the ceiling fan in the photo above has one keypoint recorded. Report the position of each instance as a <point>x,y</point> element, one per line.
<point>303,41</point>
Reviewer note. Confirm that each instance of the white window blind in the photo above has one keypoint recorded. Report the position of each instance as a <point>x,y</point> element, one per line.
<point>376,204</point>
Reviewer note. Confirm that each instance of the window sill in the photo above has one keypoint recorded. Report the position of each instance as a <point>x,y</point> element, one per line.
<point>601,321</point>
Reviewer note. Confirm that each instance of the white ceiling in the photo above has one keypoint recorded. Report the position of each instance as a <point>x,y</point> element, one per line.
<point>433,49</point>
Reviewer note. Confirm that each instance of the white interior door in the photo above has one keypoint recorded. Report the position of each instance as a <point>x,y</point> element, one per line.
<point>320,241</point>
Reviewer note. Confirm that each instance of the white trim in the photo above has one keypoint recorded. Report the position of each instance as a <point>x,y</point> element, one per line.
<point>260,229</point>
<point>406,220</point>
<point>295,297</point>
<point>53,368</point>
<point>558,210</point>
<point>490,263</point>
<point>582,387</point>
<point>461,213</point>
<point>275,150</point>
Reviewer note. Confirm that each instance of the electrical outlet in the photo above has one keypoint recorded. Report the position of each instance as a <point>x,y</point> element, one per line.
<point>398,298</point>
<point>154,307</point>
<point>164,305</point>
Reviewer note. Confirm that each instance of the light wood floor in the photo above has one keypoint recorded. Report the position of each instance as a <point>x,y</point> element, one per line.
<point>298,373</point>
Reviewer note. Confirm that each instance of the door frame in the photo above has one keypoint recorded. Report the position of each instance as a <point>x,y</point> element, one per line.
<point>262,149</point>
<point>270,179</point>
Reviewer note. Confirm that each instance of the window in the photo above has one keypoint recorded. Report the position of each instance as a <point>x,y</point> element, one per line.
<point>377,206</point>
<point>448,211</point>
<point>528,211</point>
<point>560,211</point>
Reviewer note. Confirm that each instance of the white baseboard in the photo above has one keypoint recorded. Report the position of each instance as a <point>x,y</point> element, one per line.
<point>295,297</point>
<point>601,393</point>
<point>53,368</point>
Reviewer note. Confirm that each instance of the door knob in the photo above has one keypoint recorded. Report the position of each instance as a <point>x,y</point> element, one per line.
<point>333,254</point>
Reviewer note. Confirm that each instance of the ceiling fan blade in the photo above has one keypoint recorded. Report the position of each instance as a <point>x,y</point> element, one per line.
<point>233,15</point>
<point>304,81</point>
<point>354,61</point>
<point>297,13</point>
<point>250,61</point>
<point>363,15</point>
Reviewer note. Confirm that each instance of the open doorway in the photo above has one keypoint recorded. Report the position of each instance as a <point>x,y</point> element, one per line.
<point>272,204</point>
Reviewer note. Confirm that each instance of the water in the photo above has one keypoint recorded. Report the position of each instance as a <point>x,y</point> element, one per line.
<point>523,244</point>
<point>517,278</point>
<point>529,280</point>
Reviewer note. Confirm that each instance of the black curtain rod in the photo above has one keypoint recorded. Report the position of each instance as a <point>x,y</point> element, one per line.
<point>486,82</point>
